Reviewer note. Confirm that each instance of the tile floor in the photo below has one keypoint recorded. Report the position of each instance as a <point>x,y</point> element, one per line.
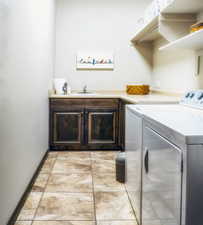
<point>77,188</point>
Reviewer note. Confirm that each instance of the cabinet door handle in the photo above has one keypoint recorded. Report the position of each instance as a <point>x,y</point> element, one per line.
<point>146,161</point>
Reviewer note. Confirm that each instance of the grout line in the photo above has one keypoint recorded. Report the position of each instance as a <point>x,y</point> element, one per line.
<point>91,172</point>
<point>50,173</point>
<point>42,192</point>
<point>93,191</point>
<point>131,205</point>
<point>44,189</point>
<point>38,206</point>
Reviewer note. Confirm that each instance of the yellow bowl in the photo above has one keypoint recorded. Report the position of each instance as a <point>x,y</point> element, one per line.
<point>137,89</point>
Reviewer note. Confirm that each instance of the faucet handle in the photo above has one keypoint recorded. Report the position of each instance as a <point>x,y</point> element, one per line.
<point>65,88</point>
<point>85,89</point>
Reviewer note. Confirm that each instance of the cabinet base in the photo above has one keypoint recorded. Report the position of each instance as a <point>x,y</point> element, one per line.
<point>85,148</point>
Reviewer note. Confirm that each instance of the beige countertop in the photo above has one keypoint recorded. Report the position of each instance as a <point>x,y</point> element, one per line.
<point>136,99</point>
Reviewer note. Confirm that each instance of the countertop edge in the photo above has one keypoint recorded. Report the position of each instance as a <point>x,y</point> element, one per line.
<point>135,99</point>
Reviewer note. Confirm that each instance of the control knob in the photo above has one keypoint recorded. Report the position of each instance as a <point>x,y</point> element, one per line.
<point>192,95</point>
<point>200,97</point>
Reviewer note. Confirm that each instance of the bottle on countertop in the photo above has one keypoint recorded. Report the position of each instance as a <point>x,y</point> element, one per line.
<point>66,89</point>
<point>59,85</point>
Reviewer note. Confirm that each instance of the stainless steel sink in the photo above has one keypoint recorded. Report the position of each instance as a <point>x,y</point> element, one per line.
<point>84,93</point>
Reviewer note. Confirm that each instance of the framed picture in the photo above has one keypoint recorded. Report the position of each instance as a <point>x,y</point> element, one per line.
<point>100,61</point>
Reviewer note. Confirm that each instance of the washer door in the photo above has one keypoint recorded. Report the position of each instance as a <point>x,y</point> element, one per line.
<point>162,180</point>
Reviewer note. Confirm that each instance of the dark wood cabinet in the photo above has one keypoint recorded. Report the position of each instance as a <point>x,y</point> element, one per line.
<point>84,124</point>
<point>68,127</point>
<point>102,128</point>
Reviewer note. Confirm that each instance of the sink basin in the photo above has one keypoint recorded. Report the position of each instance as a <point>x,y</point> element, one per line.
<point>84,93</point>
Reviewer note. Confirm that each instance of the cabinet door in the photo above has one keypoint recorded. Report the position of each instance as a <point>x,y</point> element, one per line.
<point>162,180</point>
<point>102,126</point>
<point>68,127</point>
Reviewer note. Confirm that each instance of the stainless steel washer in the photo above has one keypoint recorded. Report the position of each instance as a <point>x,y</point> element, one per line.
<point>172,162</point>
<point>134,123</point>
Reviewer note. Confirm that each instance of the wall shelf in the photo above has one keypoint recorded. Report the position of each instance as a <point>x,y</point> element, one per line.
<point>193,41</point>
<point>168,26</point>
<point>147,33</point>
<point>184,6</point>
<point>172,24</point>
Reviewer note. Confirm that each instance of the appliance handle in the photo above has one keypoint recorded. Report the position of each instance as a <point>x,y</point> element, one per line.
<point>146,161</point>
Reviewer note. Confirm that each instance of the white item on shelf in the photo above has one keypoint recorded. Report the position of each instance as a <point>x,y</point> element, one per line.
<point>164,3</point>
<point>58,85</point>
<point>152,11</point>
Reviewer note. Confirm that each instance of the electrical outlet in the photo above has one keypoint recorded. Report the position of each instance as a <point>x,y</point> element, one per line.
<point>157,84</point>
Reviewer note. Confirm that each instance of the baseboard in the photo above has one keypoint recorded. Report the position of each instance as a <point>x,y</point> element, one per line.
<point>20,204</point>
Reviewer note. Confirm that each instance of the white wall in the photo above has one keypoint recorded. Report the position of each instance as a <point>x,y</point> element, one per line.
<point>200,16</point>
<point>106,25</point>
<point>26,68</point>
<point>175,70</point>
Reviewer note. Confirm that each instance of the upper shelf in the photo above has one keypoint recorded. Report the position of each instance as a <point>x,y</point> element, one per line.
<point>184,6</point>
<point>148,33</point>
<point>173,24</point>
<point>193,41</point>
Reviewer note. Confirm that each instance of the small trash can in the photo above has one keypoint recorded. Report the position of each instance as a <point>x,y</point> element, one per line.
<point>120,167</point>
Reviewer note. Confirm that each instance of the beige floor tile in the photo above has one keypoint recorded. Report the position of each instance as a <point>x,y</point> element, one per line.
<point>113,206</point>
<point>66,206</point>
<point>63,155</point>
<point>107,182</point>
<point>48,165</point>
<point>103,166</point>
<point>74,155</point>
<point>40,183</point>
<point>123,222</point>
<point>70,183</point>
<point>106,155</point>
<point>72,166</point>
<point>71,172</point>
<point>53,154</point>
<point>31,204</point>
<point>64,223</point>
<point>23,223</point>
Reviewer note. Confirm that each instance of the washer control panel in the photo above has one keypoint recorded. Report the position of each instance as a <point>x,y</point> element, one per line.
<point>193,98</point>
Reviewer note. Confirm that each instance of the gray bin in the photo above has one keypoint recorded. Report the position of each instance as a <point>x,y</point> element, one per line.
<point>120,167</point>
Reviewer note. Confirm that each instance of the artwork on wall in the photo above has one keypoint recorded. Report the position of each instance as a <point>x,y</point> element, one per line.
<point>88,61</point>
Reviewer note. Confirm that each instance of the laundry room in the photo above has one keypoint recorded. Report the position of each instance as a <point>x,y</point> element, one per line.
<point>101,112</point>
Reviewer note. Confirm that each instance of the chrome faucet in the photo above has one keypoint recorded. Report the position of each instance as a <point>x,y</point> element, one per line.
<point>65,88</point>
<point>85,89</point>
